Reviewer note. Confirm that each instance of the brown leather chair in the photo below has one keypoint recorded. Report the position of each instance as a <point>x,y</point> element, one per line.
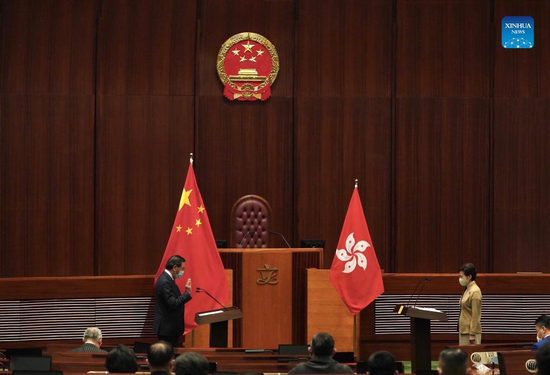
<point>250,214</point>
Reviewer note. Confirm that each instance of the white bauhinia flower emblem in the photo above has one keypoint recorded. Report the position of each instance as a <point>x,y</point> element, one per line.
<point>353,255</point>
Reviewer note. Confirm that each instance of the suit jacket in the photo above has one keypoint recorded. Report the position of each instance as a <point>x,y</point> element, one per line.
<point>169,307</point>
<point>88,348</point>
<point>470,310</point>
<point>541,343</point>
<point>321,365</point>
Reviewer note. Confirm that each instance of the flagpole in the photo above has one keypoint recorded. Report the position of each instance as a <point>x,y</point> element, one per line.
<point>191,158</point>
<point>355,334</point>
<point>356,182</point>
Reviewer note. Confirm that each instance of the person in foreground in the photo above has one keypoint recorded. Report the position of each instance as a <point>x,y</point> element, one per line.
<point>160,358</point>
<point>121,360</point>
<point>191,363</point>
<point>382,363</point>
<point>92,339</point>
<point>321,362</point>
<point>453,362</point>
<point>469,322</point>
<point>170,303</point>
<point>543,359</point>
<point>542,326</point>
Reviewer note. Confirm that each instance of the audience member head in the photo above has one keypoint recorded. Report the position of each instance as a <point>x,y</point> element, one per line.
<point>381,363</point>
<point>191,363</point>
<point>176,266</point>
<point>543,359</point>
<point>322,345</point>
<point>121,359</point>
<point>160,356</point>
<point>93,335</point>
<point>453,362</point>
<point>542,326</point>
<point>467,273</point>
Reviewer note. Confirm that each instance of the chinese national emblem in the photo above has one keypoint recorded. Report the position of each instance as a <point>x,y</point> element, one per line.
<point>248,65</point>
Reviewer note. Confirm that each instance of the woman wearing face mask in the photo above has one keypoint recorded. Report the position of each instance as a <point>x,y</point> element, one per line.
<point>469,322</point>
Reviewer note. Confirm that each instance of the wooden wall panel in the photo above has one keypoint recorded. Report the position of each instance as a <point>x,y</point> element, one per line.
<point>442,184</point>
<point>522,182</point>
<point>338,140</point>
<point>143,145</point>
<point>147,47</point>
<point>46,181</point>
<point>48,46</point>
<point>523,73</point>
<point>443,48</point>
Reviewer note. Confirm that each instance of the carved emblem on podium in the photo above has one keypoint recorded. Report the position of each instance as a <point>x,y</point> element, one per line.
<point>268,275</point>
<point>248,65</point>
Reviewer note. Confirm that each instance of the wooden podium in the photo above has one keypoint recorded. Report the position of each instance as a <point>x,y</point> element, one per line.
<point>218,320</point>
<point>270,287</point>
<point>421,343</point>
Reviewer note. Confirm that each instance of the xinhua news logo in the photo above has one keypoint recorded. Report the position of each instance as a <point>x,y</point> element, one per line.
<point>518,32</point>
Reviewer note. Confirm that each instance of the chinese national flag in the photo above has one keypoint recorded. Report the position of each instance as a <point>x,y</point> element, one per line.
<point>355,272</point>
<point>192,238</point>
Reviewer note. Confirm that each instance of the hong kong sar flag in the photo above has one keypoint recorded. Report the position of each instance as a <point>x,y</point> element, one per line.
<point>355,272</point>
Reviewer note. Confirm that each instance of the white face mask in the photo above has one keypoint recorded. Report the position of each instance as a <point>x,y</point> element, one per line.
<point>538,338</point>
<point>179,274</point>
<point>463,281</point>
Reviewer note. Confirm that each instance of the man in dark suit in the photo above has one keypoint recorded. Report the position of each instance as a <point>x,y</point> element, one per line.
<point>92,341</point>
<point>321,362</point>
<point>170,303</point>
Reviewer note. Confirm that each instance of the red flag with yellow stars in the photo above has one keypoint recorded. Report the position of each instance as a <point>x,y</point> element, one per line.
<point>192,238</point>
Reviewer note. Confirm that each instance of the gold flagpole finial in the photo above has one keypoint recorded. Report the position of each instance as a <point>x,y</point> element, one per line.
<point>356,182</point>
<point>191,157</point>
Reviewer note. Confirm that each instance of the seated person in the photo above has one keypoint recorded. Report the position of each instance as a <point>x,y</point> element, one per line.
<point>453,362</point>
<point>321,362</point>
<point>542,326</point>
<point>191,363</point>
<point>543,359</point>
<point>92,341</point>
<point>381,363</point>
<point>122,360</point>
<point>160,357</point>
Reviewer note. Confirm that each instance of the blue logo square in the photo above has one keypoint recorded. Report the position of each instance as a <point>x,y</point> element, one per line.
<point>518,32</point>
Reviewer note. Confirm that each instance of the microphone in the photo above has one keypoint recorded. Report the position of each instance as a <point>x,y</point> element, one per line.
<point>244,237</point>
<point>280,235</point>
<point>414,291</point>
<point>422,287</point>
<point>200,290</point>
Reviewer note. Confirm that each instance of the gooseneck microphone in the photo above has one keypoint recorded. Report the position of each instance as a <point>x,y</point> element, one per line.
<point>200,290</point>
<point>280,235</point>
<point>415,289</point>
<point>427,279</point>
<point>251,233</point>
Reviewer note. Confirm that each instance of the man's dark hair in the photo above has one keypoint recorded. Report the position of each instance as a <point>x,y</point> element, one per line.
<point>453,362</point>
<point>543,359</point>
<point>543,321</point>
<point>381,363</point>
<point>191,363</point>
<point>160,354</point>
<point>121,359</point>
<point>322,345</point>
<point>469,270</point>
<point>175,260</point>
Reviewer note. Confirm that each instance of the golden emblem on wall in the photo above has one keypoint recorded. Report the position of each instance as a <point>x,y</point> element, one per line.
<point>268,275</point>
<point>247,65</point>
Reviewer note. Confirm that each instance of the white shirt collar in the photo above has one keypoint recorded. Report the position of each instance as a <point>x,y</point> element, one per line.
<point>169,274</point>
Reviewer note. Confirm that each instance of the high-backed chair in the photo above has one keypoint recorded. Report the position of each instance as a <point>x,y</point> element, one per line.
<point>250,214</point>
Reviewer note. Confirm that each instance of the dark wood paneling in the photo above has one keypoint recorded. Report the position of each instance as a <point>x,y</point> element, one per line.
<point>221,19</point>
<point>443,48</point>
<point>147,47</point>
<point>522,183</point>
<point>246,148</point>
<point>48,46</point>
<point>338,140</point>
<point>143,145</point>
<point>523,73</point>
<point>442,180</point>
<point>46,184</point>
<point>344,48</point>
